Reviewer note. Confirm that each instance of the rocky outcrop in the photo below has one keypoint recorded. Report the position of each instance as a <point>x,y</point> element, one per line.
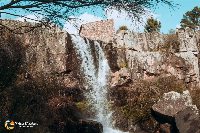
<point>188,120</point>
<point>141,52</point>
<point>99,30</point>
<point>178,111</point>
<point>48,53</point>
<point>138,41</point>
<point>48,50</point>
<point>88,126</point>
<point>131,56</point>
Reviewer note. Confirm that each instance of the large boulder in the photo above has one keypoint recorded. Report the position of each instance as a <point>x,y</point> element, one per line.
<point>177,110</point>
<point>170,104</point>
<point>188,120</point>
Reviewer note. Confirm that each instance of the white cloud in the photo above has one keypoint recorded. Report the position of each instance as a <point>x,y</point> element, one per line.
<point>30,18</point>
<point>178,26</point>
<point>121,19</point>
<point>83,19</point>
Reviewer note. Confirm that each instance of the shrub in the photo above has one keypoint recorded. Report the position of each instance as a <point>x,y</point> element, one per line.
<point>171,41</point>
<point>123,64</point>
<point>123,28</point>
<point>110,41</point>
<point>195,94</point>
<point>172,32</point>
<point>152,25</point>
<point>83,106</point>
<point>123,48</point>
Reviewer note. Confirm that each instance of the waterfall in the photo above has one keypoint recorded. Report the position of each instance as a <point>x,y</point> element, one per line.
<point>95,80</point>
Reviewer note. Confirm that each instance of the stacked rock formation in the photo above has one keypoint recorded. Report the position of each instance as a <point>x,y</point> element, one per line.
<point>99,30</point>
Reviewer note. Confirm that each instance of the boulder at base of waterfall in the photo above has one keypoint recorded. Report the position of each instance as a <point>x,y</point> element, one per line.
<point>88,126</point>
<point>168,106</point>
<point>188,120</point>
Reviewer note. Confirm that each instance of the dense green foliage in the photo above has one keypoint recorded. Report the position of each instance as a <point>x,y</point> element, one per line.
<point>123,28</point>
<point>123,48</point>
<point>123,64</point>
<point>152,25</point>
<point>191,18</point>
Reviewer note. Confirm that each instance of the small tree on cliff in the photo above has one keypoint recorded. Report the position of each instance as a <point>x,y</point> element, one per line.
<point>152,25</point>
<point>172,32</point>
<point>191,18</point>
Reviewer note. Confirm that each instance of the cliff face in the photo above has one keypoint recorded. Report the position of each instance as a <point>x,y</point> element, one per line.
<point>143,56</point>
<point>45,69</point>
<point>131,55</point>
<point>47,50</point>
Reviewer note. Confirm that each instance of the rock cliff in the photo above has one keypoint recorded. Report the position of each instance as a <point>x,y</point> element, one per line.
<point>132,57</point>
<point>143,56</point>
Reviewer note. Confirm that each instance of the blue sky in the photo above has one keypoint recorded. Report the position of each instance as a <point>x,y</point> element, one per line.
<point>169,18</point>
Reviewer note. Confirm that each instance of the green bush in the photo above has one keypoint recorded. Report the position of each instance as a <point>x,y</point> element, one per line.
<point>123,64</point>
<point>152,25</point>
<point>123,28</point>
<point>83,106</point>
<point>123,48</point>
<point>110,41</point>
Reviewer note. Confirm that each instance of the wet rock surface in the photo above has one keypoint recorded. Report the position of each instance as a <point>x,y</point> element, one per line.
<point>88,126</point>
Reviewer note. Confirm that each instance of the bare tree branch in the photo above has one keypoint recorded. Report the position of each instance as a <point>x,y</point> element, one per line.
<point>28,6</point>
<point>9,5</point>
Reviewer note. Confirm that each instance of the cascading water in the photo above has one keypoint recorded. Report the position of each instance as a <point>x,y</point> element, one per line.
<point>95,80</point>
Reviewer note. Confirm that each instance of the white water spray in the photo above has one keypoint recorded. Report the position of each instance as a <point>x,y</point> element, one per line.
<point>95,80</point>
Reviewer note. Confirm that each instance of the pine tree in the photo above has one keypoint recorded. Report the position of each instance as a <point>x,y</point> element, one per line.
<point>152,25</point>
<point>191,18</point>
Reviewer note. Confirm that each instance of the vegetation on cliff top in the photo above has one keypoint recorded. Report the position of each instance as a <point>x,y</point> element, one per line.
<point>191,18</point>
<point>152,25</point>
<point>123,28</point>
<point>55,15</point>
